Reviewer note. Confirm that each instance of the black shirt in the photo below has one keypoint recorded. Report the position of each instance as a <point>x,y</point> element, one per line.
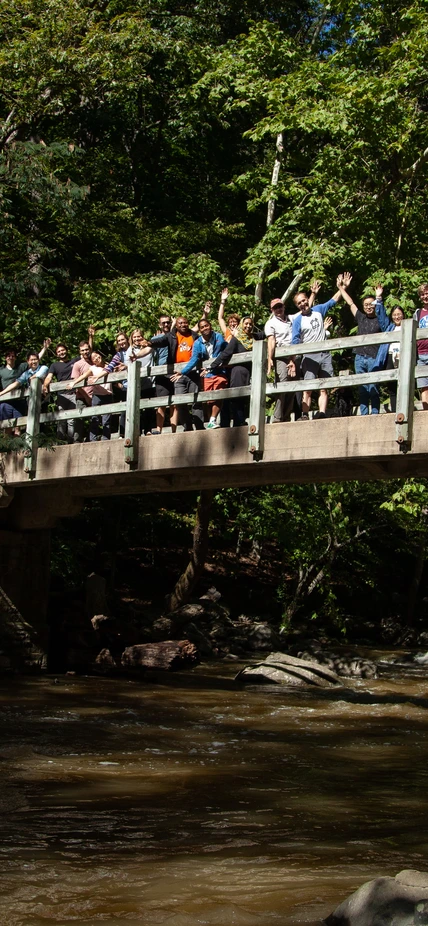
<point>61,369</point>
<point>367,325</point>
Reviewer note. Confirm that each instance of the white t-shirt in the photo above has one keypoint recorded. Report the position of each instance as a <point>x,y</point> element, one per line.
<point>132,351</point>
<point>312,327</point>
<point>280,328</point>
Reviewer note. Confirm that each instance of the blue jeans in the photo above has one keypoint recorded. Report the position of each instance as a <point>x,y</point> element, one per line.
<point>369,393</point>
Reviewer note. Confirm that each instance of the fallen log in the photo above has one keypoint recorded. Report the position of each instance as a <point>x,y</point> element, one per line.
<point>167,655</point>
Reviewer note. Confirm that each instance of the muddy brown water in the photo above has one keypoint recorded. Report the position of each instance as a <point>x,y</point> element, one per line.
<point>188,801</point>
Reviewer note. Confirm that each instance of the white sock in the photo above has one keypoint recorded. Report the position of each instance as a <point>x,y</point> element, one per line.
<point>212,420</point>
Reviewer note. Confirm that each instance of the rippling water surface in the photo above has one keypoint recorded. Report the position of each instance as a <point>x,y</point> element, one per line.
<point>187,801</point>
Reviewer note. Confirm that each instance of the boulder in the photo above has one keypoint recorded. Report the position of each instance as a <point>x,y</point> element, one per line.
<point>399,901</point>
<point>344,663</point>
<point>281,669</point>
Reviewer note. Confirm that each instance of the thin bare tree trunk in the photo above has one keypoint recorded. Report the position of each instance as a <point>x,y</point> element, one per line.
<point>270,213</point>
<point>188,579</point>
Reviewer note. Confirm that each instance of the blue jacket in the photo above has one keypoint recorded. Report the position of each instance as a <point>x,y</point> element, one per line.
<point>200,353</point>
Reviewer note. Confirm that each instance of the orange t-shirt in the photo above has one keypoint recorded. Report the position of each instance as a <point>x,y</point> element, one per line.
<point>184,348</point>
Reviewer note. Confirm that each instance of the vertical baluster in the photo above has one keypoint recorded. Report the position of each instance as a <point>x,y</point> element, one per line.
<point>33,427</point>
<point>406,384</point>
<point>257,418</point>
<point>132,415</point>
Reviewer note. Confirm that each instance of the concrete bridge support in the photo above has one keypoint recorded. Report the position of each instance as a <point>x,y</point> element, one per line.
<point>25,551</point>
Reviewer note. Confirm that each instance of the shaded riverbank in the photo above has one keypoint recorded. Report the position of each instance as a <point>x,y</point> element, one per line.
<point>190,801</point>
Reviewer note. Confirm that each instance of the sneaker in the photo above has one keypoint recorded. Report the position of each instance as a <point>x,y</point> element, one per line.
<point>304,418</point>
<point>212,424</point>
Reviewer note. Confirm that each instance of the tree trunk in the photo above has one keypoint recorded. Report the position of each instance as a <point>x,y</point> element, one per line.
<point>189,578</point>
<point>168,655</point>
<point>270,213</point>
<point>415,582</point>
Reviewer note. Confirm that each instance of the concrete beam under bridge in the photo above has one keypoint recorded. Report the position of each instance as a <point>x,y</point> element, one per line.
<point>326,450</point>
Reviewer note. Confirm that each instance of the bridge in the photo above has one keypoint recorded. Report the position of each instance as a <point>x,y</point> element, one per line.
<point>39,485</point>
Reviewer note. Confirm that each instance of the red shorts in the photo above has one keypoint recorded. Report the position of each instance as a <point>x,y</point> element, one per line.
<point>212,383</point>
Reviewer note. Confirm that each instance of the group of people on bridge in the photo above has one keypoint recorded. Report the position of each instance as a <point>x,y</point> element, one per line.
<point>85,377</point>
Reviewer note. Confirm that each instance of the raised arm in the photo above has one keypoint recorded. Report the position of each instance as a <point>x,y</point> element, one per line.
<point>46,344</point>
<point>223,299</point>
<point>315,288</point>
<point>343,282</point>
<point>205,313</point>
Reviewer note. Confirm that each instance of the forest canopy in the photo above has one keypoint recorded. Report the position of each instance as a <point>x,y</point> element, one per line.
<point>137,144</point>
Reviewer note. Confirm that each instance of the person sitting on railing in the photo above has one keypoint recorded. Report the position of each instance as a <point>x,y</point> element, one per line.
<point>99,394</point>
<point>421,316</point>
<point>35,370</point>
<point>180,345</point>
<point>278,332</point>
<point>240,375</point>
<point>229,326</point>
<point>61,370</point>
<point>308,327</point>
<point>388,355</point>
<point>140,349</point>
<point>365,357</point>
<point>207,346</point>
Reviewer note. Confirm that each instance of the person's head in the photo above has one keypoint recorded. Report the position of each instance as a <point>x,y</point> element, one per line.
<point>301,302</point>
<point>423,294</point>
<point>61,351</point>
<point>233,322</point>
<point>247,324</point>
<point>136,337</point>
<point>33,359</point>
<point>85,351</point>
<point>10,356</point>
<point>277,308</point>
<point>164,323</point>
<point>182,325</point>
<point>97,359</point>
<point>397,315</point>
<point>369,306</point>
<point>205,328</point>
<point>122,342</point>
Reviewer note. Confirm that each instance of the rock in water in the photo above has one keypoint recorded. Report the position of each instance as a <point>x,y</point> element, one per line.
<point>399,901</point>
<point>281,669</point>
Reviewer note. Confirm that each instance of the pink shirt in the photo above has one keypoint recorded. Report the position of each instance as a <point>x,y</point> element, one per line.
<point>84,392</point>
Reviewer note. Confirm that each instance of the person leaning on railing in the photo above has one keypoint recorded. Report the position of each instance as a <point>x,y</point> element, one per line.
<point>388,355</point>
<point>240,375</point>
<point>208,346</point>
<point>421,316</point>
<point>308,327</point>
<point>61,370</point>
<point>365,356</point>
<point>35,370</point>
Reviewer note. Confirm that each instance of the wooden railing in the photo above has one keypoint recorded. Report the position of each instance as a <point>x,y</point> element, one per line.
<point>404,375</point>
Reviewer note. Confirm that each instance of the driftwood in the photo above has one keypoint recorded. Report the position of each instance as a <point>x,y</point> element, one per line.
<point>168,655</point>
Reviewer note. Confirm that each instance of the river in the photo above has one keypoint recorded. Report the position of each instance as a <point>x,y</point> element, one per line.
<point>187,801</point>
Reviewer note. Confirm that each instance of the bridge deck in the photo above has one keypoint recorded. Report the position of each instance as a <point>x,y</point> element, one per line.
<point>296,452</point>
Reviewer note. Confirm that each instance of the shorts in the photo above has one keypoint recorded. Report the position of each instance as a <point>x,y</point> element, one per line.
<point>422,381</point>
<point>212,383</point>
<point>317,366</point>
<point>163,386</point>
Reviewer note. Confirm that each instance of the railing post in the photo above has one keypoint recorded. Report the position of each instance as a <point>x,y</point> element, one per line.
<point>132,414</point>
<point>33,427</point>
<point>257,418</point>
<point>406,384</point>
